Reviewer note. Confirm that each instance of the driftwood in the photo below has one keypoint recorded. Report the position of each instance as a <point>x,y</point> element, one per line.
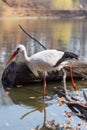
<point>78,107</point>
<point>20,74</point>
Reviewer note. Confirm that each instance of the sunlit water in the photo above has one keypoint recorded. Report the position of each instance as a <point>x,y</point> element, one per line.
<point>29,111</point>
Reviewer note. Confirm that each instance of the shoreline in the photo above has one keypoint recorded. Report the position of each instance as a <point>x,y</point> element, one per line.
<point>47,14</point>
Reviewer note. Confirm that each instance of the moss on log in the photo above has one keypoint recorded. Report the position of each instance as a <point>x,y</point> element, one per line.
<point>20,74</point>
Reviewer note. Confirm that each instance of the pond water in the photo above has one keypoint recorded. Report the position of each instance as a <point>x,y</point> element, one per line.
<point>28,111</point>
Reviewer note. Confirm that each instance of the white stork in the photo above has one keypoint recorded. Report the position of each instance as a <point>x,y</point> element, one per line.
<point>47,60</point>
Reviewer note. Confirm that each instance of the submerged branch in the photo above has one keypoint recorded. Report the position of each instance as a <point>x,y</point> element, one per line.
<point>77,106</point>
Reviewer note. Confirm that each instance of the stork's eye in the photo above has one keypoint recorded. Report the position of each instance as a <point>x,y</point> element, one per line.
<point>18,49</point>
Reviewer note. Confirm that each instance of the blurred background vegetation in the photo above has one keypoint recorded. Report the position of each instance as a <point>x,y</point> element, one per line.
<point>19,7</point>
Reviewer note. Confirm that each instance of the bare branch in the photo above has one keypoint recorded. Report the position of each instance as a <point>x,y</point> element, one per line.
<point>32,37</point>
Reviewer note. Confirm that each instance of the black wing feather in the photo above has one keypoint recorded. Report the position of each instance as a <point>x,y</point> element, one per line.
<point>65,57</point>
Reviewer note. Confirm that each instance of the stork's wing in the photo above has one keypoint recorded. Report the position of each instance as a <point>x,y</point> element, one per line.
<point>66,56</point>
<point>47,57</point>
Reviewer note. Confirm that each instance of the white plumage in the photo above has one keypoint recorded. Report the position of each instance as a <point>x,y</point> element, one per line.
<point>42,61</point>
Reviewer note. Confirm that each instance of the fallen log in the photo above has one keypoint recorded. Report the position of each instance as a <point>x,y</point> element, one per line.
<point>20,74</point>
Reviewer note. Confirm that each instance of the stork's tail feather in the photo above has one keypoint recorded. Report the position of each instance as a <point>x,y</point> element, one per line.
<point>71,55</point>
<point>67,55</point>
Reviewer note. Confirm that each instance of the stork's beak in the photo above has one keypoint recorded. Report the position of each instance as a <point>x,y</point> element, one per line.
<point>12,57</point>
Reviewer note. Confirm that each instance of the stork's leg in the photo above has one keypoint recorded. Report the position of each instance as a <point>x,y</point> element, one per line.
<point>72,80</point>
<point>44,87</point>
<point>64,79</point>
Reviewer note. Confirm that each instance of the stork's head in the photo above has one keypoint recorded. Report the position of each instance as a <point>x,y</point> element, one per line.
<point>18,49</point>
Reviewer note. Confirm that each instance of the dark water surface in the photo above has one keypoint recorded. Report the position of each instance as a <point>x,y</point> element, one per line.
<point>29,112</point>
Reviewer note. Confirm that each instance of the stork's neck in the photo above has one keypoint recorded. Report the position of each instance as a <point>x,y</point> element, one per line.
<point>25,56</point>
